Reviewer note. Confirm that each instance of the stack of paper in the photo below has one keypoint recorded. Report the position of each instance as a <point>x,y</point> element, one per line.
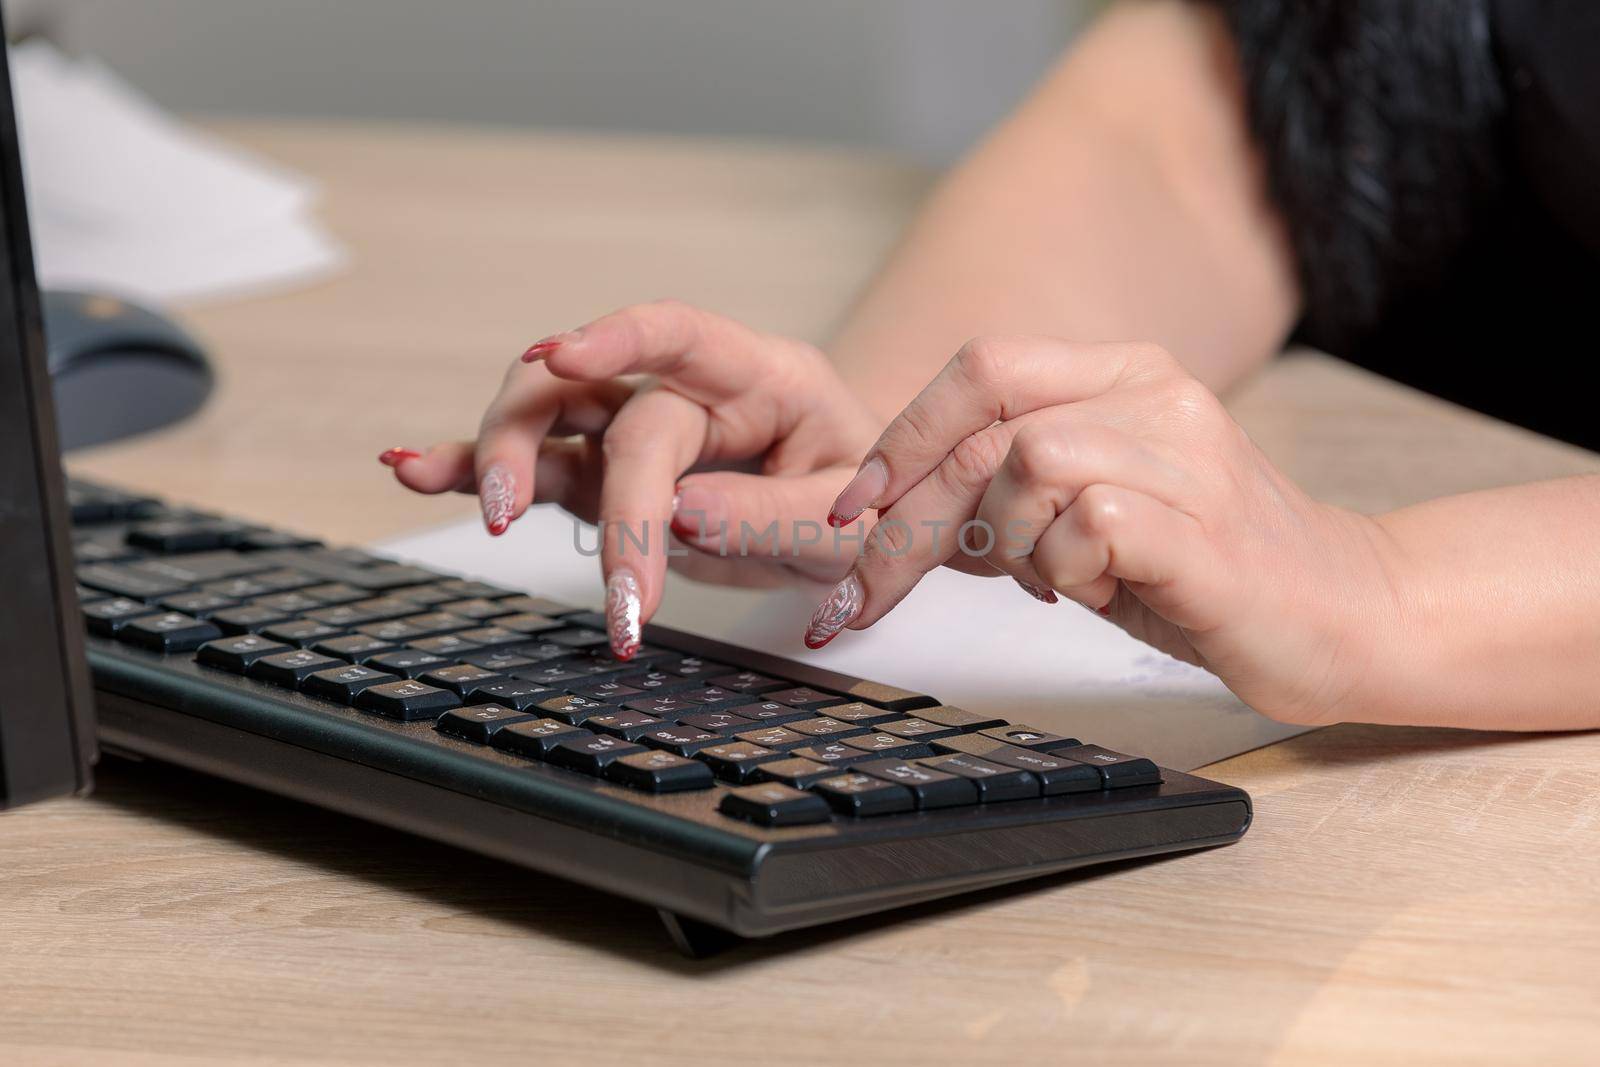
<point>125,199</point>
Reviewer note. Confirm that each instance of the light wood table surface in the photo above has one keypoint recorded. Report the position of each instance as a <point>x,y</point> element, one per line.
<point>1405,896</point>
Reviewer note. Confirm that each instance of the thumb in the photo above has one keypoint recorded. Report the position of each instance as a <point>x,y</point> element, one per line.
<point>767,517</point>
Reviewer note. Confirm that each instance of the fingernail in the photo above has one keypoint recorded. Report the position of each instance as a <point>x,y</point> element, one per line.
<point>395,456</point>
<point>540,349</point>
<point>624,613</point>
<point>497,491</point>
<point>697,513</point>
<point>1104,612</point>
<point>1037,592</point>
<point>836,612</point>
<point>862,492</point>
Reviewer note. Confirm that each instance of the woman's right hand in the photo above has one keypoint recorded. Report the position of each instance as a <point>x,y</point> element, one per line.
<point>608,419</point>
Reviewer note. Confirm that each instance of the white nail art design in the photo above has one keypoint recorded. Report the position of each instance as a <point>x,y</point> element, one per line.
<point>1040,593</point>
<point>624,613</point>
<point>836,612</point>
<point>498,493</point>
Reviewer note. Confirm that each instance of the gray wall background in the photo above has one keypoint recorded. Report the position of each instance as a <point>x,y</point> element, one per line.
<point>923,77</point>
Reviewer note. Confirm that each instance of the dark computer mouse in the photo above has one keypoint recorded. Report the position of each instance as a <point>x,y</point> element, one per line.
<point>118,369</point>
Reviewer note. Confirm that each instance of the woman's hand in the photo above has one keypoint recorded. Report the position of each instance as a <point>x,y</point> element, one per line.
<point>1108,473</point>
<point>606,419</point>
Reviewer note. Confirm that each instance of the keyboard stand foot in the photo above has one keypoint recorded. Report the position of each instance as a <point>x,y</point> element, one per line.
<point>696,939</point>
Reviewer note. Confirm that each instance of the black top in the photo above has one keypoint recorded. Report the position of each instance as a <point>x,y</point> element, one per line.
<point>1438,164</point>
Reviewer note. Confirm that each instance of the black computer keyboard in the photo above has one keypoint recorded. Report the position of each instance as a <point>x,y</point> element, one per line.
<point>281,637</point>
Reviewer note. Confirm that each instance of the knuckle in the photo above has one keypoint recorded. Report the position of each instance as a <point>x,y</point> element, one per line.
<point>975,458</point>
<point>891,539</point>
<point>984,361</point>
<point>1041,457</point>
<point>1098,513</point>
<point>1187,400</point>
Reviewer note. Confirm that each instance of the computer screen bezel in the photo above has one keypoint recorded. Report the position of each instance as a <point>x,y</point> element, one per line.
<point>47,743</point>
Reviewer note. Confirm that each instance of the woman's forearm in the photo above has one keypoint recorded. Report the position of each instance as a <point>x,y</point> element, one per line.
<point>1124,200</point>
<point>1496,611</point>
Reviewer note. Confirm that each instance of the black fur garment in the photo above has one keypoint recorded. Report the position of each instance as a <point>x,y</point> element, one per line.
<point>1382,124</point>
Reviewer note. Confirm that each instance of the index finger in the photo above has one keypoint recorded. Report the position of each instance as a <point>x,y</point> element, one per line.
<point>990,380</point>
<point>704,356</point>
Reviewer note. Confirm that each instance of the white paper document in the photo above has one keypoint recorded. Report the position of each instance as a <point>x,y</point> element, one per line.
<point>125,199</point>
<point>979,643</point>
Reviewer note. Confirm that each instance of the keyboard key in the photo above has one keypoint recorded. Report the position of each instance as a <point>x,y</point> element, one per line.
<point>467,588</point>
<point>168,632</point>
<point>888,745</point>
<point>451,646</point>
<point>353,647</point>
<point>538,605</point>
<point>490,636</point>
<point>184,535</point>
<point>1116,770</point>
<point>778,738</point>
<point>995,783</point>
<point>434,623</point>
<point>291,668</point>
<point>655,681</point>
<point>591,755</point>
<point>960,718</point>
<point>606,692</point>
<point>736,761</point>
<point>477,609</point>
<point>238,588</point>
<point>576,638</point>
<point>600,661</point>
<point>361,612</point>
<point>480,722</point>
<point>916,729</point>
<point>119,580</point>
<point>628,725</point>
<point>425,596</point>
<point>769,714</point>
<point>827,728</point>
<point>802,696</point>
<point>660,772</point>
<point>861,795</point>
<point>462,679</point>
<point>692,667</point>
<point>513,694</point>
<point>717,722</point>
<point>775,804</point>
<point>247,619</point>
<point>662,707</point>
<point>407,700</point>
<point>534,740</point>
<point>301,633</point>
<point>289,603</point>
<point>1027,737</point>
<point>682,740</point>
<point>100,552</point>
<point>331,593</point>
<point>835,754</point>
<point>237,653</point>
<point>525,623</point>
<point>501,661</point>
<point>552,674</point>
<point>569,707</point>
<point>282,581</point>
<point>269,540</point>
<point>344,683</point>
<point>395,631</point>
<point>891,697</point>
<point>748,682</point>
<point>862,714</point>
<point>931,788</point>
<point>709,695</point>
<point>794,771</point>
<point>200,605</point>
<point>406,662</point>
<point>1056,775</point>
<point>106,617</point>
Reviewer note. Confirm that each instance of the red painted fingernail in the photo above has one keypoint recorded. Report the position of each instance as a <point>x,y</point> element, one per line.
<point>836,612</point>
<point>543,347</point>
<point>497,492</point>
<point>395,456</point>
<point>1104,612</point>
<point>862,492</point>
<point>1038,592</point>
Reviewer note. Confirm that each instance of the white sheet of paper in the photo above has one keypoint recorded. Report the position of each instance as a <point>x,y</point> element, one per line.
<point>975,642</point>
<point>125,199</point>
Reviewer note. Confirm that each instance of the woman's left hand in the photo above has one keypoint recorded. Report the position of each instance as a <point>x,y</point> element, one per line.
<point>1108,473</point>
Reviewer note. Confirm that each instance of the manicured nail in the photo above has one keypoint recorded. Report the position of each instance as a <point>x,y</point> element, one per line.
<point>1037,592</point>
<point>624,613</point>
<point>540,349</point>
<point>1104,613</point>
<point>862,492</point>
<point>698,513</point>
<point>836,612</point>
<point>497,491</point>
<point>395,456</point>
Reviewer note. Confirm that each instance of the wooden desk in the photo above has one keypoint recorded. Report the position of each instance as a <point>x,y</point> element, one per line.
<point>1406,895</point>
